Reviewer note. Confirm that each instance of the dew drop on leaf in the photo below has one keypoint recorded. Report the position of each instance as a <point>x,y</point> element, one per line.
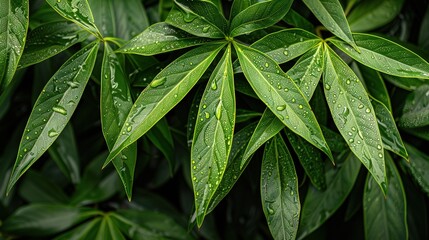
<point>281,107</point>
<point>59,110</point>
<point>52,133</point>
<point>158,82</point>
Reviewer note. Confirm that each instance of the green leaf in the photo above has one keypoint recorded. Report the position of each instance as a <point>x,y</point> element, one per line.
<point>385,217</point>
<point>424,34</point>
<point>320,205</point>
<point>417,167</point>
<point>86,230</point>
<point>308,70</point>
<point>319,106</point>
<point>279,190</point>
<point>159,38</point>
<point>335,140</point>
<point>281,95</point>
<point>193,24</point>
<point>213,133</point>
<point>258,16</point>
<point>50,39</point>
<point>416,109</point>
<point>54,108</point>
<point>115,103</point>
<point>408,84</point>
<point>375,85</point>
<point>421,132</point>
<point>108,230</point>
<point>161,137</point>
<point>285,45</point>
<point>244,115</point>
<point>167,89</point>
<point>354,115</point>
<point>13,31</point>
<point>45,219</point>
<point>77,11</point>
<point>38,188</point>
<point>369,15</point>
<point>385,56</point>
<point>330,13</point>
<point>297,20</point>
<point>238,6</point>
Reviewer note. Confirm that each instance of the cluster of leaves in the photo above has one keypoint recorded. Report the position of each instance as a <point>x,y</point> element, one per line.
<point>287,75</point>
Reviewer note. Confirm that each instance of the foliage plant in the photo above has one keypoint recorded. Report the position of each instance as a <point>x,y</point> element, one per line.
<point>135,119</point>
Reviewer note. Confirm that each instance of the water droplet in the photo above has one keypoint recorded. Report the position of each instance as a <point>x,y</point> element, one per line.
<point>368,110</point>
<point>380,155</point>
<point>73,84</point>
<point>218,111</point>
<point>129,128</point>
<point>214,85</point>
<point>285,52</point>
<point>206,29</point>
<point>189,17</point>
<point>52,133</point>
<point>158,82</point>
<point>207,115</point>
<point>204,106</point>
<point>300,106</point>
<point>281,107</point>
<point>348,81</point>
<point>360,106</point>
<point>266,65</point>
<point>59,110</point>
<point>327,86</point>
<point>379,147</point>
<point>351,140</point>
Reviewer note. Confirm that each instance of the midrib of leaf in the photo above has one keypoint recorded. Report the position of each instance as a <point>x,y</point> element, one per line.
<point>309,68</point>
<point>281,187</point>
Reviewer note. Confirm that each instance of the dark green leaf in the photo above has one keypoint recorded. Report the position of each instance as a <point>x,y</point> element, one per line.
<point>108,230</point>
<point>238,6</point>
<point>161,137</point>
<point>319,106</point>
<point>87,230</point>
<point>295,19</point>
<point>246,115</point>
<point>279,190</point>
<point>424,34</point>
<point>54,108</point>
<point>417,167</point>
<point>416,108</point>
<point>375,85</point>
<point>421,132</point>
<point>335,141</point>
<point>405,83</point>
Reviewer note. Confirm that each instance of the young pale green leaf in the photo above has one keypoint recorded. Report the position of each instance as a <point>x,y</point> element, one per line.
<point>282,96</point>
<point>193,24</point>
<point>310,159</point>
<point>115,103</point>
<point>259,15</point>
<point>54,108</point>
<point>167,89</point>
<point>159,38</point>
<point>416,109</point>
<point>408,84</point>
<point>417,167</point>
<point>320,205</point>
<point>390,135</point>
<point>385,56</point>
<point>13,31</point>
<point>213,133</point>
<point>369,15</point>
<point>77,11</point>
<point>354,115</point>
<point>330,13</point>
<point>375,85</point>
<point>50,39</point>
<point>308,70</point>
<point>279,190</point>
<point>385,217</point>
<point>297,20</point>
<point>285,45</point>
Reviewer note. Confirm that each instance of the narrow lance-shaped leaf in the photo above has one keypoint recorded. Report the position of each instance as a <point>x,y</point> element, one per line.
<point>281,95</point>
<point>297,20</point>
<point>416,109</point>
<point>385,217</point>
<point>354,115</point>
<point>13,31</point>
<point>160,38</point>
<point>330,13</point>
<point>385,56</point>
<point>54,108</point>
<point>115,103</point>
<point>167,89</point>
<point>279,190</point>
<point>238,6</point>
<point>213,134</point>
<point>77,11</point>
<point>417,167</point>
<point>259,15</point>
<point>375,85</point>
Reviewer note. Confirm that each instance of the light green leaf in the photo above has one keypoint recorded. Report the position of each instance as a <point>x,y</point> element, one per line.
<point>167,89</point>
<point>417,167</point>
<point>279,190</point>
<point>330,13</point>
<point>308,70</point>
<point>115,103</point>
<point>54,108</point>
<point>160,38</point>
<point>354,115</point>
<point>77,11</point>
<point>259,15</point>
<point>385,56</point>
<point>281,95</point>
<point>385,217</point>
<point>13,31</point>
<point>285,45</point>
<point>416,109</point>
<point>369,15</point>
<point>375,85</point>
<point>213,133</point>
<point>321,205</point>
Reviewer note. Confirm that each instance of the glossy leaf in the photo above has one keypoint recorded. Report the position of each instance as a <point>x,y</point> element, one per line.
<point>167,89</point>
<point>115,103</point>
<point>279,190</point>
<point>385,217</point>
<point>285,45</point>
<point>86,230</point>
<point>13,32</point>
<point>369,15</point>
<point>213,133</point>
<point>108,230</point>
<point>259,15</point>
<point>238,6</point>
<point>278,91</point>
<point>385,56</point>
<point>354,115</point>
<point>54,108</point>
<point>50,39</point>
<point>320,205</point>
<point>78,12</point>
<point>160,38</point>
<point>330,13</point>
<point>405,83</point>
<point>417,167</point>
<point>375,85</point>
<point>335,140</point>
<point>297,20</point>
<point>416,109</point>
